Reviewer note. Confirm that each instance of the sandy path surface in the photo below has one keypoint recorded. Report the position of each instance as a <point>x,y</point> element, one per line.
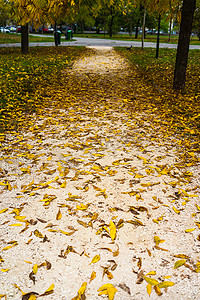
<point>74,178</point>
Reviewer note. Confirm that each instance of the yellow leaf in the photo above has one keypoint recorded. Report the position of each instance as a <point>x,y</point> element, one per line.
<point>35,269</point>
<point>181,256</point>
<point>3,210</point>
<point>16,224</point>
<point>63,185</point>
<point>50,288</point>
<point>32,297</point>
<point>19,289</point>
<point>82,206</point>
<point>107,289</point>
<point>82,289</point>
<point>38,234</point>
<point>112,230</point>
<point>8,247</point>
<point>167,277</point>
<point>149,288</point>
<point>165,284</point>
<point>5,270</point>
<point>139,176</point>
<point>66,233</point>
<point>176,210</point>
<point>93,276</point>
<point>189,230</point>
<point>95,259</point>
<point>59,215</point>
<point>151,273</point>
<point>157,240</point>
<point>151,280</point>
<point>157,290</point>
<point>179,263</point>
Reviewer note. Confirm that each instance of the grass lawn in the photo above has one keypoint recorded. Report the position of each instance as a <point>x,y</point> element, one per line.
<point>6,38</point>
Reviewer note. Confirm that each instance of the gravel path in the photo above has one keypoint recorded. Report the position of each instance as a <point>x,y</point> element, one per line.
<point>94,193</point>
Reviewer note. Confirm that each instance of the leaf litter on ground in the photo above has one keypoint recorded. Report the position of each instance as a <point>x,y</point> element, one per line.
<point>111,177</point>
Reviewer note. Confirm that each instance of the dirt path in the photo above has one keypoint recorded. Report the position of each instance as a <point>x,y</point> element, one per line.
<point>90,165</point>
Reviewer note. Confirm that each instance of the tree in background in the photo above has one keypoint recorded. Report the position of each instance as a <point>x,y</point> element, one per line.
<point>25,11</point>
<point>5,10</point>
<point>187,14</point>
<point>196,21</point>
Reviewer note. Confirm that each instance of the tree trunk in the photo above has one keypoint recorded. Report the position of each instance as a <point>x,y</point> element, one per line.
<point>170,29</point>
<point>183,44</point>
<point>136,30</point>
<point>143,27</point>
<point>24,39</point>
<point>158,37</point>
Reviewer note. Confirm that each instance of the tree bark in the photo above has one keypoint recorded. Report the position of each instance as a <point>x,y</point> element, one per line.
<point>136,30</point>
<point>170,30</point>
<point>24,39</point>
<point>143,27</point>
<point>158,37</point>
<point>183,44</point>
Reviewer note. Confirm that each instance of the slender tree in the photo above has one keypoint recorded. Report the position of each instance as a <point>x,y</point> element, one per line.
<point>187,14</point>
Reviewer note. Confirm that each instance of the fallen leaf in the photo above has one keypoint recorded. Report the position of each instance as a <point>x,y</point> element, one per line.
<point>149,288</point>
<point>165,284</point>
<point>112,230</point>
<point>95,259</point>
<point>93,276</point>
<point>150,280</point>
<point>107,289</point>
<point>179,263</point>
<point>59,215</point>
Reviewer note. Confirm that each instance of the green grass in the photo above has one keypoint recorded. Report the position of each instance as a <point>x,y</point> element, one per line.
<point>7,38</point>
<point>149,38</point>
<point>24,79</point>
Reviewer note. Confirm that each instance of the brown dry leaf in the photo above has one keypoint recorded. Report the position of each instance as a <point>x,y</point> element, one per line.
<point>32,277</point>
<point>140,277</point>
<point>49,291</point>
<point>139,263</point>
<point>82,223</point>
<point>159,248</point>
<point>149,252</point>
<point>59,215</point>
<point>181,256</point>
<point>157,290</point>
<point>38,233</point>
<point>30,296</point>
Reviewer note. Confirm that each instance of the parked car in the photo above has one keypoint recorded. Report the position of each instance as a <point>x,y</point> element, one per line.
<point>13,29</point>
<point>18,30</point>
<point>4,30</point>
